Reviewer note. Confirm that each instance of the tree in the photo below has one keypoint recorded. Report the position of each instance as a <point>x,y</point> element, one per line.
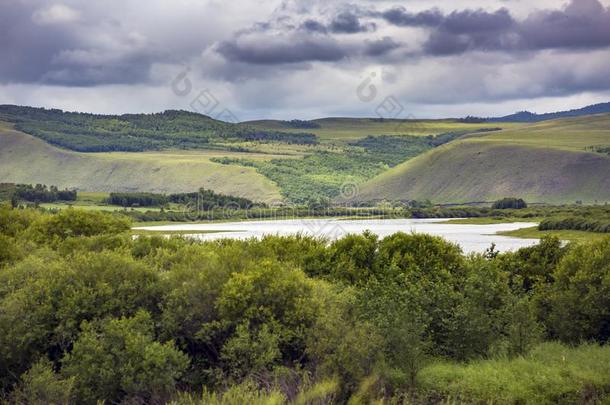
<point>352,258</point>
<point>118,359</point>
<point>579,299</point>
<point>509,203</point>
<point>250,352</point>
<point>40,385</point>
<point>75,222</point>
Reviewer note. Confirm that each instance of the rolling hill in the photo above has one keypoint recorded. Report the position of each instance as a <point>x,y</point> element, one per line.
<point>26,159</point>
<point>552,162</point>
<point>526,116</point>
<point>446,161</point>
<point>351,129</point>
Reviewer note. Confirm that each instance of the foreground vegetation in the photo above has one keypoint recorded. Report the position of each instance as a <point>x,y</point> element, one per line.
<point>89,313</point>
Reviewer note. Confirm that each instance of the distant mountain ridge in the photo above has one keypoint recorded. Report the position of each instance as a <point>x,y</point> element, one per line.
<point>526,116</point>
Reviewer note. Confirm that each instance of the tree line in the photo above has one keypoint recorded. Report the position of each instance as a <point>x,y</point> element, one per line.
<point>39,193</point>
<point>202,199</point>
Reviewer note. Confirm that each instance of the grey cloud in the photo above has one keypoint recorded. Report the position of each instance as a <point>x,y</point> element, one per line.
<point>583,24</point>
<point>400,17</point>
<point>477,21</point>
<point>282,50</point>
<point>313,26</point>
<point>26,47</point>
<point>473,30</point>
<point>380,47</point>
<point>76,44</point>
<point>349,23</point>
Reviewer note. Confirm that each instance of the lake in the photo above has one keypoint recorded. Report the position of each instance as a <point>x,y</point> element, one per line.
<point>472,238</point>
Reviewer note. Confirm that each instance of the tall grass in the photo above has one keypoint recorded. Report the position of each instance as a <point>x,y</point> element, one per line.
<point>551,374</point>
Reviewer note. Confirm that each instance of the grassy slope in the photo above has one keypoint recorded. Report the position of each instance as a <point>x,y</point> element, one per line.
<point>349,129</point>
<point>543,162</point>
<point>25,159</point>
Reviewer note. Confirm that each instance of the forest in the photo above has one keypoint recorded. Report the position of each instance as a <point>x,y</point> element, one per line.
<point>84,132</point>
<point>89,313</point>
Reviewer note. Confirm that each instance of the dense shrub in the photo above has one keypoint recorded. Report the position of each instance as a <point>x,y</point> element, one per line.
<point>88,313</point>
<point>509,203</point>
<point>577,223</point>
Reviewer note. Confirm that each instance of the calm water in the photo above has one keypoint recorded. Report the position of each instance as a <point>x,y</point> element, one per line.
<point>472,238</point>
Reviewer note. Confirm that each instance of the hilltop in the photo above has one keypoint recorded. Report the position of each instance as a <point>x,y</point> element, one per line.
<point>558,161</point>
<point>526,116</point>
<point>85,132</point>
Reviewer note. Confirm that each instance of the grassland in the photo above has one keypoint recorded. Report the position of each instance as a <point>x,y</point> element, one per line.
<point>569,235</point>
<point>350,129</point>
<point>544,162</point>
<point>25,159</point>
<point>489,220</point>
<point>148,232</point>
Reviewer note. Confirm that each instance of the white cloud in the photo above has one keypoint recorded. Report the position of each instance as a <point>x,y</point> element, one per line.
<point>55,14</point>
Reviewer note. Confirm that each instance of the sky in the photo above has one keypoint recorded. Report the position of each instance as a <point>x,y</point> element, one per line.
<point>301,59</point>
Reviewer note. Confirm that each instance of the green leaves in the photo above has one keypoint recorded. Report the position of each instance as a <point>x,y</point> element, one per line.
<point>116,359</point>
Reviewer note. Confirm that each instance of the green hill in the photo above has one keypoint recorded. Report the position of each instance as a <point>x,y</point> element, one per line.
<point>559,161</point>
<point>85,132</point>
<point>25,159</point>
<point>350,129</point>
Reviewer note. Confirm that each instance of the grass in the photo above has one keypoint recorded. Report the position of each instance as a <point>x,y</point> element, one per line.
<point>147,232</point>
<point>551,374</point>
<point>490,220</point>
<point>349,129</point>
<point>543,162</point>
<point>94,207</point>
<point>25,159</point>
<point>569,235</point>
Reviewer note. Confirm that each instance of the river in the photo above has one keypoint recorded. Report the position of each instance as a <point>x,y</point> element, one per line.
<point>471,238</point>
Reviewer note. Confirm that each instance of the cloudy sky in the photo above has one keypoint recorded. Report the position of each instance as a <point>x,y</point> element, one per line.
<point>251,59</point>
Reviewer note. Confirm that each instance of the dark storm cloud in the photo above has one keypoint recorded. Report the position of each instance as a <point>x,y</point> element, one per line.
<point>47,46</point>
<point>349,23</point>
<point>279,50</point>
<point>581,24</point>
<point>313,26</point>
<point>380,47</point>
<point>345,22</point>
<point>27,48</point>
<point>472,30</point>
<point>400,17</point>
<point>477,21</point>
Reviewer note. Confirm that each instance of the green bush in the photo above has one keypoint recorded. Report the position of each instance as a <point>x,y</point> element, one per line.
<point>509,203</point>
<point>295,319</point>
<point>118,359</point>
